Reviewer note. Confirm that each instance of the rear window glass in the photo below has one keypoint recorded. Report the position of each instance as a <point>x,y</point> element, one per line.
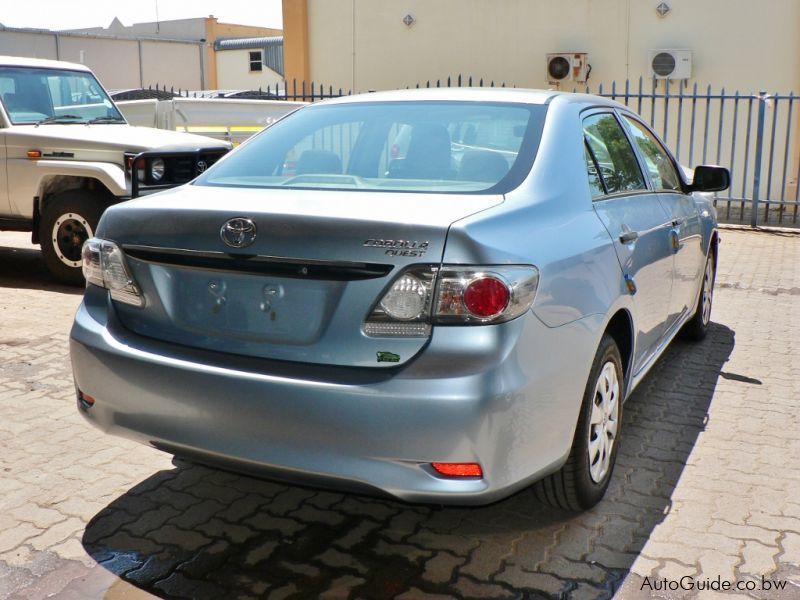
<point>466,147</point>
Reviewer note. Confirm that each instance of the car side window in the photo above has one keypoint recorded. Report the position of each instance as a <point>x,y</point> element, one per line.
<point>662,170</point>
<point>595,183</point>
<point>616,161</point>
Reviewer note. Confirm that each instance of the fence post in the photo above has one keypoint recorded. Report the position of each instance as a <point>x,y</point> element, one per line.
<point>762,116</point>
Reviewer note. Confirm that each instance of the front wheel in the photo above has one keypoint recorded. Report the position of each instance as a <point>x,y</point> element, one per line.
<point>584,478</point>
<point>697,327</point>
<point>68,220</point>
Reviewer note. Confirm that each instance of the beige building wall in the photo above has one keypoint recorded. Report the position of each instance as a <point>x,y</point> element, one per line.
<point>118,63</point>
<point>204,30</point>
<point>172,64</point>
<point>33,45</point>
<point>364,44</point>
<point>233,72</point>
<point>115,62</point>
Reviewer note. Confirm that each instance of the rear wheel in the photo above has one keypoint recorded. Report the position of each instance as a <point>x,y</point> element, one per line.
<point>584,478</point>
<point>68,220</point>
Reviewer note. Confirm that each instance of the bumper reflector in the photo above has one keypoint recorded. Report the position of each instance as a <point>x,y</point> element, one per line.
<point>458,469</point>
<point>85,399</point>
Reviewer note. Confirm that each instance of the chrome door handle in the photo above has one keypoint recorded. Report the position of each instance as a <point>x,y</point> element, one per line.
<point>628,237</point>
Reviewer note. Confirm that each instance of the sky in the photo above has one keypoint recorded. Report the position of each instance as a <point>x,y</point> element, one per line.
<point>66,14</point>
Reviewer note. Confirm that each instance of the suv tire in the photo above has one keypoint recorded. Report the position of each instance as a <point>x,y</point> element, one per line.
<point>68,220</point>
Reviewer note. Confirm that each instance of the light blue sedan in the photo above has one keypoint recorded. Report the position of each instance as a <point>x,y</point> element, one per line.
<point>440,295</point>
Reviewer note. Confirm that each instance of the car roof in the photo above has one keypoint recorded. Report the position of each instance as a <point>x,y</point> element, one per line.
<point>480,94</point>
<point>22,61</point>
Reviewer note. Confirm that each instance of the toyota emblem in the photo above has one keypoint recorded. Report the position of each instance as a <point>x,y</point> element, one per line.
<point>201,166</point>
<point>238,232</point>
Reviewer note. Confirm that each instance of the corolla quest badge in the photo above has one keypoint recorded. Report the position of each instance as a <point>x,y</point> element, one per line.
<point>238,232</point>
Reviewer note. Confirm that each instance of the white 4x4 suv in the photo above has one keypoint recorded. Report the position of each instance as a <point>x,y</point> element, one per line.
<point>66,153</point>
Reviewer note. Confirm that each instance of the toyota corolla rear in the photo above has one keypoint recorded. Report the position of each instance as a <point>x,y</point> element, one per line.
<point>290,312</point>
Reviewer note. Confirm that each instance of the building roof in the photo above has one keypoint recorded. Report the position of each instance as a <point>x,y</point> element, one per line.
<point>272,47</point>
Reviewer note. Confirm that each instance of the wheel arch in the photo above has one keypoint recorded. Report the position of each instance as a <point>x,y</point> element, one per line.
<point>713,245</point>
<point>620,328</point>
<point>53,185</point>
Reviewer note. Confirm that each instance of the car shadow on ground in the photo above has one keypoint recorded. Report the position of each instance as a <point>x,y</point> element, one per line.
<point>198,532</point>
<point>24,268</point>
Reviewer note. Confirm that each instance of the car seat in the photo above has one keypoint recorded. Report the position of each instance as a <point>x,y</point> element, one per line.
<point>482,165</point>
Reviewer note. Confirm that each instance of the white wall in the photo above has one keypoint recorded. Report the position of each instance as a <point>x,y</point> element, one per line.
<point>233,72</point>
<point>744,44</point>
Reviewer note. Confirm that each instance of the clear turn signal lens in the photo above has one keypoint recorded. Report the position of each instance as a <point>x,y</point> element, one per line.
<point>404,309</point>
<point>406,300</point>
<point>104,266</point>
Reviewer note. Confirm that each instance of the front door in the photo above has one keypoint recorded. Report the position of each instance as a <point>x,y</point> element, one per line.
<point>638,224</point>
<point>5,207</point>
<point>687,237</point>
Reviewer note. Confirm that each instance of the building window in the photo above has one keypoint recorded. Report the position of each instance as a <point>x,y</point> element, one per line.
<point>255,61</point>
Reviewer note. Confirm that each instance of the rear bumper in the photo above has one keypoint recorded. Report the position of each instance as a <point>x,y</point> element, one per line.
<point>503,396</point>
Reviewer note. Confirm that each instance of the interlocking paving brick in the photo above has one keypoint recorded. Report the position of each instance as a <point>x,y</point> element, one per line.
<point>440,568</point>
<point>705,484</point>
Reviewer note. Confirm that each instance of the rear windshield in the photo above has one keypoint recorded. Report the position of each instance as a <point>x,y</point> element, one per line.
<point>464,147</point>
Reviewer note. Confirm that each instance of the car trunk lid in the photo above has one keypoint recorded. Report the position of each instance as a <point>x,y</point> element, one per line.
<point>302,289</point>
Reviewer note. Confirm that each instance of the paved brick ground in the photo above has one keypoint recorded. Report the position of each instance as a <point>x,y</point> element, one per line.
<point>707,483</point>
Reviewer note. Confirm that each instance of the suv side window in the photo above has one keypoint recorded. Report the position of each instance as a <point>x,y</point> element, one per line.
<point>616,162</point>
<point>662,170</point>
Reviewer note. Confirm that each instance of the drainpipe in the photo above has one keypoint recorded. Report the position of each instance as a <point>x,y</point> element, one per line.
<point>141,66</point>
<point>202,47</point>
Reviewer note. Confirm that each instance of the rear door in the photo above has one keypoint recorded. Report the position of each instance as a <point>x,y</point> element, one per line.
<point>638,224</point>
<point>687,238</point>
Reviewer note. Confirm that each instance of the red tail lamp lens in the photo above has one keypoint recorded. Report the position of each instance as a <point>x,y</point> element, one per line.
<point>486,297</point>
<point>458,469</point>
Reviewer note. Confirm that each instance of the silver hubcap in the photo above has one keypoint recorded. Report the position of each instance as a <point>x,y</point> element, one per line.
<point>69,232</point>
<point>603,423</point>
<point>708,291</point>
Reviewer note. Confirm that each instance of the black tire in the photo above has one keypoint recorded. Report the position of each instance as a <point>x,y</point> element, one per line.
<point>68,220</point>
<point>696,328</point>
<point>574,486</point>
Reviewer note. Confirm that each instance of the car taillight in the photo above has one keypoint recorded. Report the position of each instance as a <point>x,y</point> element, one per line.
<point>486,297</point>
<point>104,266</point>
<point>452,295</point>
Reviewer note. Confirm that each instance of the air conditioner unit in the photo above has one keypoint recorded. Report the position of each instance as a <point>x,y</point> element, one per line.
<point>568,66</point>
<point>670,64</point>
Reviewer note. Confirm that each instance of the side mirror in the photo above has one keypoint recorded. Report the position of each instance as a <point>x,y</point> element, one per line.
<point>708,178</point>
